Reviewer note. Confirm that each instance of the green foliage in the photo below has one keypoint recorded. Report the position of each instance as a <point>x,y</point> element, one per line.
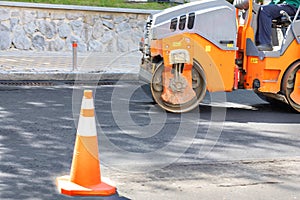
<point>105,3</point>
<point>109,3</point>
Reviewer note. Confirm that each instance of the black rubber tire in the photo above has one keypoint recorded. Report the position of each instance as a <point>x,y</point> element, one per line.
<point>290,76</point>
<point>180,108</point>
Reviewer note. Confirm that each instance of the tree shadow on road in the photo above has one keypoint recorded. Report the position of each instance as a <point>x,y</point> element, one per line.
<point>255,133</point>
<point>37,134</point>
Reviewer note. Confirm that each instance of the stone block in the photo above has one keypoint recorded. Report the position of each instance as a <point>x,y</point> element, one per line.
<point>4,14</point>
<point>122,45</point>
<point>20,40</point>
<point>64,30</point>
<point>56,44</point>
<point>73,15</point>
<point>108,36</point>
<point>86,33</point>
<point>95,45</point>
<point>5,40</point>
<point>30,28</point>
<point>77,26</point>
<point>38,42</point>
<point>28,16</point>
<point>108,24</point>
<point>48,29</point>
<point>107,16</point>
<point>6,24</point>
<point>120,19</point>
<point>13,22</point>
<point>90,19</point>
<point>98,30</point>
<point>43,14</point>
<point>123,27</point>
<point>57,15</point>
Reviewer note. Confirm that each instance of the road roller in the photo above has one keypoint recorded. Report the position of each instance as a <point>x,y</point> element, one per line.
<point>209,46</point>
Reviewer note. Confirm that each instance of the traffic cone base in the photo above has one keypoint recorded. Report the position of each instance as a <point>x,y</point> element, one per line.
<point>65,186</point>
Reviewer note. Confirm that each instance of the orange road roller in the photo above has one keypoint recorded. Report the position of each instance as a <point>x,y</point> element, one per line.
<point>209,45</point>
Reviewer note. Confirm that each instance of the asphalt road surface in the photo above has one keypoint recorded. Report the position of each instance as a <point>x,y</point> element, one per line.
<point>235,146</point>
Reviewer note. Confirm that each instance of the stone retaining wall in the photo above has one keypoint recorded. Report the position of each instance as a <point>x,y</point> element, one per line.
<point>45,27</point>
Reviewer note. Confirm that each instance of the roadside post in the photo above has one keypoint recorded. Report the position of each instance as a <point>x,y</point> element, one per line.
<point>74,47</point>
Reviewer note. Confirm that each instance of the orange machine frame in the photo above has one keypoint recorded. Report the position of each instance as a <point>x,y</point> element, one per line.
<point>269,71</point>
<point>220,65</point>
<point>217,64</point>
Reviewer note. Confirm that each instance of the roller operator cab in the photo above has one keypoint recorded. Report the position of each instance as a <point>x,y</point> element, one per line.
<point>209,45</point>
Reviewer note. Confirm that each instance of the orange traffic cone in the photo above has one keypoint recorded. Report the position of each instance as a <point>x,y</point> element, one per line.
<point>85,176</point>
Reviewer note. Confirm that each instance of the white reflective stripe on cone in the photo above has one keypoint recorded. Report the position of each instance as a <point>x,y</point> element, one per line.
<point>87,126</point>
<point>87,104</point>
